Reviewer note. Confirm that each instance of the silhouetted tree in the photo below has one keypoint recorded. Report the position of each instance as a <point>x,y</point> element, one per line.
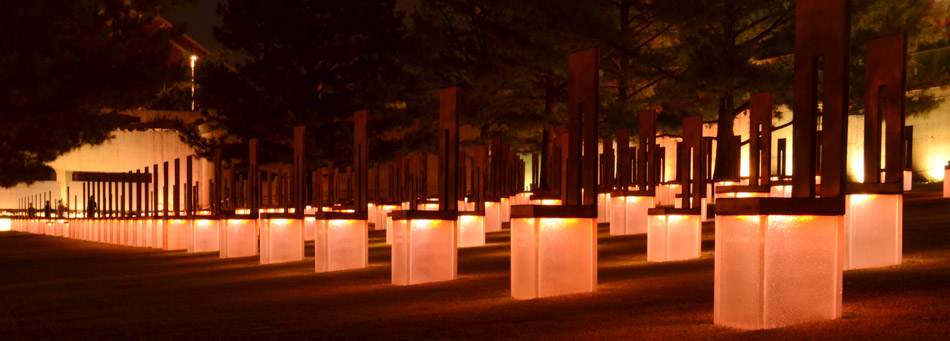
<point>68,68</point>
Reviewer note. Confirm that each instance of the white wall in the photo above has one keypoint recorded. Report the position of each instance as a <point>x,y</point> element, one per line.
<point>128,150</point>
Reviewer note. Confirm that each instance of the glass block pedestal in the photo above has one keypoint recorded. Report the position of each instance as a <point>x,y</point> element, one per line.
<point>628,212</point>
<point>203,235</point>
<point>237,237</point>
<point>281,238</point>
<point>492,216</point>
<point>341,241</point>
<point>176,234</point>
<point>673,234</point>
<point>778,262</point>
<point>471,229</point>
<point>424,248</point>
<point>946,182</point>
<point>603,209</point>
<point>553,250</point>
<point>873,230</point>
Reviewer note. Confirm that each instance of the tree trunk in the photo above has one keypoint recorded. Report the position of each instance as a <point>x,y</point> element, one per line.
<point>725,160</point>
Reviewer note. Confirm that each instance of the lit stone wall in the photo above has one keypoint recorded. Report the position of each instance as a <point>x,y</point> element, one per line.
<point>127,150</point>
<point>932,140</point>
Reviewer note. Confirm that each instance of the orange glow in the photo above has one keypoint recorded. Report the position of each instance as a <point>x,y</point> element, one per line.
<point>280,221</point>
<point>203,222</point>
<point>750,218</point>
<point>425,223</point>
<point>860,198</point>
<point>557,223</point>
<point>790,218</point>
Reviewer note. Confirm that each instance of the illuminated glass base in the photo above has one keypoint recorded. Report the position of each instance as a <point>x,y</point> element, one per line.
<point>389,230</point>
<point>946,183</point>
<point>553,256</point>
<point>628,215</point>
<point>505,210</point>
<point>372,214</point>
<point>424,251</point>
<point>125,235</point>
<point>147,235</point>
<point>673,237</point>
<point>382,212</point>
<point>138,232</point>
<point>618,215</point>
<point>237,238</point>
<point>59,228</point>
<point>471,230</point>
<point>492,216</point>
<point>203,235</point>
<point>753,194</point>
<point>603,209</point>
<point>783,191</point>
<point>666,194</point>
<point>428,206</point>
<point>108,231</point>
<point>176,234</point>
<point>773,271</point>
<point>340,245</point>
<point>158,233</point>
<point>281,240</point>
<point>873,230</point>
<point>309,229</point>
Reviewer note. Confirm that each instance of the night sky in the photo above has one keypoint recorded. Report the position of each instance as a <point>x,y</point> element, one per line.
<point>199,18</point>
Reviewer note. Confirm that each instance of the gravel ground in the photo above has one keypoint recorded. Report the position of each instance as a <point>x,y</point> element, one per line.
<point>59,288</point>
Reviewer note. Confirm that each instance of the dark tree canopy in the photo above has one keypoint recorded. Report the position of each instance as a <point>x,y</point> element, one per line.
<point>66,67</point>
<point>309,63</point>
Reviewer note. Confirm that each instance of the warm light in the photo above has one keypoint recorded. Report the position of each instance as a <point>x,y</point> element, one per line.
<point>4,225</point>
<point>310,219</point>
<point>203,222</point>
<point>675,218</point>
<point>423,223</point>
<point>750,218</point>
<point>785,219</point>
<point>859,198</point>
<point>466,218</point>
<point>341,222</point>
<point>557,223</point>
<point>280,221</point>
<point>242,211</point>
